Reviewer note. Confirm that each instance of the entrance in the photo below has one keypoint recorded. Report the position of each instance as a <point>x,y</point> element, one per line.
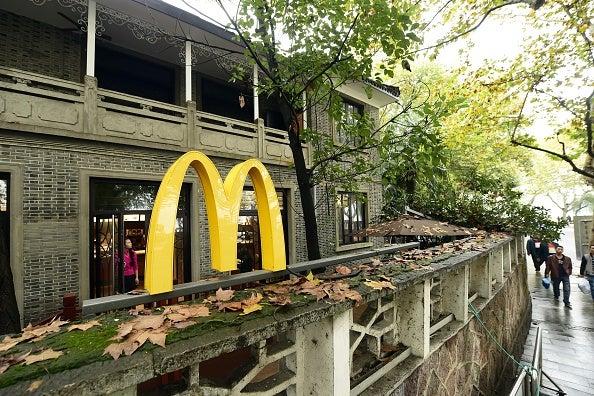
<point>249,250</point>
<point>121,210</point>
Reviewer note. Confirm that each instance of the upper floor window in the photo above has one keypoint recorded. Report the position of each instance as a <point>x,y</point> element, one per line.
<point>352,112</point>
<point>352,217</point>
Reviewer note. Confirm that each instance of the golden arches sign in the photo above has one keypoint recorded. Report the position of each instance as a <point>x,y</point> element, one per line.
<point>222,208</point>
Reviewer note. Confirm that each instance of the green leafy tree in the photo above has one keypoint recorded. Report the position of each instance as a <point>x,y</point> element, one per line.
<point>305,48</point>
<point>547,82</point>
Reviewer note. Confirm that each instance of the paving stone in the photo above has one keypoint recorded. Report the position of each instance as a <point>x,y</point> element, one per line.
<point>567,338</point>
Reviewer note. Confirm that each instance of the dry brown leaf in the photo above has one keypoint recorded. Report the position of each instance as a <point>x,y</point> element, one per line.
<point>254,299</point>
<point>379,285</point>
<point>8,343</point>
<point>7,361</point>
<point>115,350</point>
<point>231,306</point>
<point>280,300</point>
<point>34,386</point>
<point>131,345</point>
<point>84,326</point>
<point>37,333</point>
<point>158,338</point>
<point>198,311</point>
<point>354,295</point>
<point>342,270</point>
<point>176,317</point>
<point>45,355</point>
<point>183,325</point>
<point>123,330</point>
<point>149,322</point>
<point>224,295</point>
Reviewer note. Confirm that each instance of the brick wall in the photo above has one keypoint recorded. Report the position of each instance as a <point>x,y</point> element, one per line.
<point>40,48</point>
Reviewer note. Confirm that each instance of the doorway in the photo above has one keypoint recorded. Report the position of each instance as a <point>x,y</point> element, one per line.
<point>249,249</point>
<point>121,210</point>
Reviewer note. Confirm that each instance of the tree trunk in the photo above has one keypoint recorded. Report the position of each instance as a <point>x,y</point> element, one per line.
<point>9,311</point>
<point>307,199</point>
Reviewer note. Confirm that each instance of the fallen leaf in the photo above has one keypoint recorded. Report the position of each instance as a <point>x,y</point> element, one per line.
<point>9,342</point>
<point>224,295</point>
<point>280,300</point>
<point>123,330</point>
<point>183,325</point>
<point>149,322</point>
<point>34,386</point>
<point>115,350</point>
<point>342,270</point>
<point>158,338</point>
<point>254,299</point>
<point>251,308</point>
<point>379,285</point>
<point>84,326</point>
<point>45,355</point>
<point>7,361</point>
<point>231,306</point>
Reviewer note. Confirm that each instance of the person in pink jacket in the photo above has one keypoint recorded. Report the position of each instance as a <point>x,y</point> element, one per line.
<point>130,267</point>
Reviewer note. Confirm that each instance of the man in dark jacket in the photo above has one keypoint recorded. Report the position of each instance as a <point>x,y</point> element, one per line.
<point>559,266</point>
<point>538,250</point>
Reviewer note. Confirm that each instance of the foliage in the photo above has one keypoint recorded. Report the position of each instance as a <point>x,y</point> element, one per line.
<point>416,154</point>
<point>490,203</point>
<point>548,81</point>
<point>459,168</point>
<point>313,49</point>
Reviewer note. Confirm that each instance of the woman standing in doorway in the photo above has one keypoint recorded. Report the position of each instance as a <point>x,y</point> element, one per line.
<point>130,267</point>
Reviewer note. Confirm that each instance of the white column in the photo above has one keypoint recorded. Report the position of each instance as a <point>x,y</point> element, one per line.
<point>326,356</point>
<point>188,70</point>
<point>91,29</point>
<point>255,90</point>
<point>496,263</point>
<point>414,304</point>
<point>454,297</point>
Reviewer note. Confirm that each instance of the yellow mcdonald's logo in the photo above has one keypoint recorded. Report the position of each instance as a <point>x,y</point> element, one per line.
<point>222,208</point>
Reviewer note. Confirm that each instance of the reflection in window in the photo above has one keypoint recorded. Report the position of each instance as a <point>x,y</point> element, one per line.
<point>352,113</point>
<point>3,193</point>
<point>352,217</point>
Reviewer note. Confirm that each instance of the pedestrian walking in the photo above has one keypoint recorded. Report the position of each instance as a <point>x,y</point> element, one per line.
<point>587,269</point>
<point>559,267</point>
<point>538,250</point>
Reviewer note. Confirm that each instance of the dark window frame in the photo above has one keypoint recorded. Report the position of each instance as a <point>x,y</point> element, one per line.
<point>347,223</point>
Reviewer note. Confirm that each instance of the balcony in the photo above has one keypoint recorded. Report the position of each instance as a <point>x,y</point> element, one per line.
<point>44,105</point>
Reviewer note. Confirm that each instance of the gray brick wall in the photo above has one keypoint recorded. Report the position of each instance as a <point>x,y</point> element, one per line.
<point>39,48</point>
<point>51,169</point>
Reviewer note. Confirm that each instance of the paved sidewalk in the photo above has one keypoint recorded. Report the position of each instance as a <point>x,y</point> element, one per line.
<point>567,336</point>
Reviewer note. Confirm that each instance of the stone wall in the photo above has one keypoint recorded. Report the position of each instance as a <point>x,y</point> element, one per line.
<point>471,363</point>
<point>314,348</point>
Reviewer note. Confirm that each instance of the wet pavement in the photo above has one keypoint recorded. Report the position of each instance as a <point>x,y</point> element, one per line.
<point>567,334</point>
